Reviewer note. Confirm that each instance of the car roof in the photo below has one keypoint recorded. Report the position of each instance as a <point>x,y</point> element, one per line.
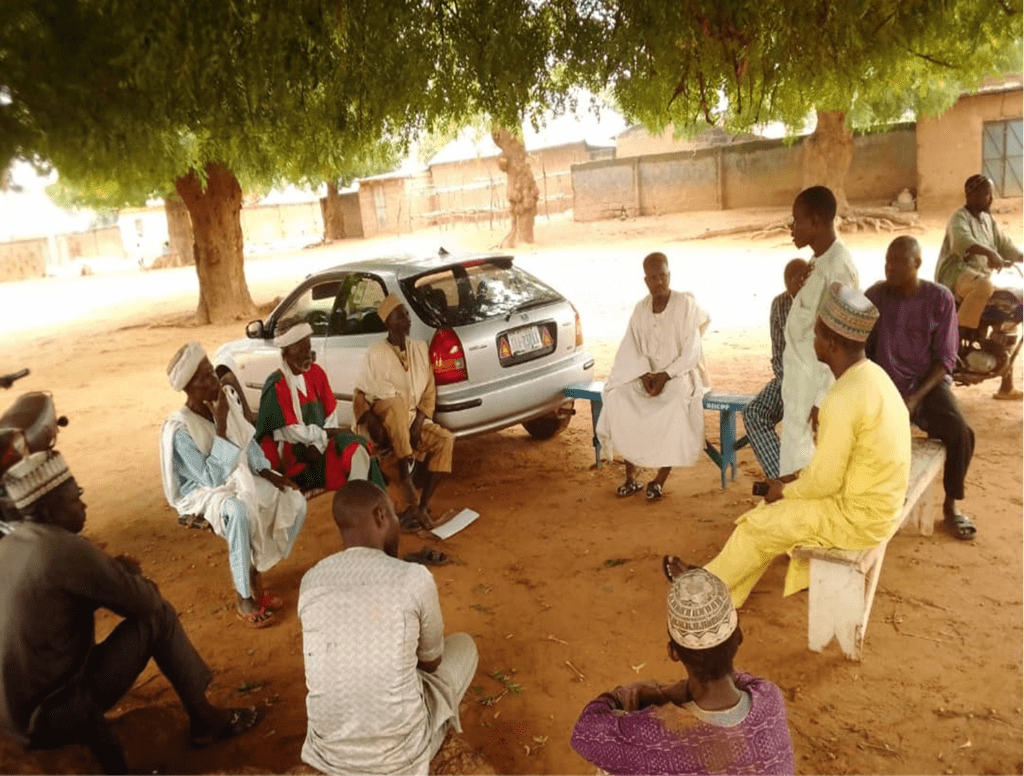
<point>407,265</point>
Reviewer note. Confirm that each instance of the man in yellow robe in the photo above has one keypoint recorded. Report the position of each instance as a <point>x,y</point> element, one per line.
<point>851,494</point>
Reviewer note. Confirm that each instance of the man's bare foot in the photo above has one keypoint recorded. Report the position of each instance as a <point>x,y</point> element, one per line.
<point>1011,394</point>
<point>252,613</point>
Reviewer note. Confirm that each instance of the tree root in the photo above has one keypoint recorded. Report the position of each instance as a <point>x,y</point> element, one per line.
<point>858,220</point>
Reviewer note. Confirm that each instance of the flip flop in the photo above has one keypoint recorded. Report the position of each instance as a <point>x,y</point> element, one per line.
<point>667,561</point>
<point>240,721</point>
<point>258,618</point>
<point>961,526</point>
<point>408,521</point>
<point>628,488</point>
<point>1013,395</point>
<point>654,491</point>
<point>428,557</point>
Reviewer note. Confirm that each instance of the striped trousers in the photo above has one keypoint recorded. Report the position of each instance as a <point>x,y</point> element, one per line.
<point>760,418</point>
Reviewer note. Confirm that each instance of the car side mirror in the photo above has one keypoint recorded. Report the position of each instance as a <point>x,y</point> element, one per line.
<point>254,330</point>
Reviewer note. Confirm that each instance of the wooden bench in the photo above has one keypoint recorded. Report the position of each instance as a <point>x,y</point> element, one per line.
<point>201,523</point>
<point>843,582</point>
<point>727,405</point>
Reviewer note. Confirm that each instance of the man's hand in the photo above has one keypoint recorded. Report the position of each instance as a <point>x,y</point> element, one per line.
<point>307,453</point>
<point>220,413</point>
<point>278,480</point>
<point>913,401</point>
<point>129,564</point>
<point>416,429</point>
<point>995,261</point>
<point>812,418</point>
<point>654,382</point>
<point>774,491</point>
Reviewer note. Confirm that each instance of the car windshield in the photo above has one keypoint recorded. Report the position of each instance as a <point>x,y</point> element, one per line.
<point>475,291</point>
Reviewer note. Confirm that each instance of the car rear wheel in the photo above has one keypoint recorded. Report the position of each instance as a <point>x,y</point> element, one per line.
<point>548,426</point>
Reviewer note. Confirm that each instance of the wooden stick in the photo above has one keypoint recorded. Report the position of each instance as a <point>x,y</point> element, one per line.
<point>577,671</point>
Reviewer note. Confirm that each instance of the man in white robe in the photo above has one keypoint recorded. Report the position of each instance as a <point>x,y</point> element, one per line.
<point>805,380</point>
<point>653,413</point>
<point>212,468</point>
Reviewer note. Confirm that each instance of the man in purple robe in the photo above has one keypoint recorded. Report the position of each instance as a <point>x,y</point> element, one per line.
<point>915,342</point>
<point>714,721</point>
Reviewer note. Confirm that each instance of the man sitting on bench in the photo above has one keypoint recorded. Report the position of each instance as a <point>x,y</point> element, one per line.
<point>850,496</point>
<point>915,342</point>
<point>212,467</point>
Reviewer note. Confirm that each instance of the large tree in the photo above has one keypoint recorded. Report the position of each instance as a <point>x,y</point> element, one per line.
<point>211,97</point>
<point>740,63</point>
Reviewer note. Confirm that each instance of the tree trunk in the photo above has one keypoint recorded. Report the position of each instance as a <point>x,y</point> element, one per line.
<point>334,219</point>
<point>828,153</point>
<point>179,233</point>
<point>522,189</point>
<point>217,226</point>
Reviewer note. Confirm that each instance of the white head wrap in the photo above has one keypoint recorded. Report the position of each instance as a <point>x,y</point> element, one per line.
<point>184,365</point>
<point>700,611</point>
<point>35,476</point>
<point>292,335</point>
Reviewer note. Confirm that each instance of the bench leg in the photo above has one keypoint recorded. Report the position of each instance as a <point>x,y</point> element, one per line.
<point>727,435</point>
<point>595,413</point>
<point>839,605</point>
<point>921,520</point>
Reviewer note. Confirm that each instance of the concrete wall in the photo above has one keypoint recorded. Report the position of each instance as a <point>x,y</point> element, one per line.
<point>104,242</point>
<point>761,173</point>
<point>23,259</point>
<point>405,201</point>
<point>272,223</point>
<point>949,147</point>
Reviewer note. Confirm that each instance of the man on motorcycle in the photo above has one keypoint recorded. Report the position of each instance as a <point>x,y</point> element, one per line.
<point>915,342</point>
<point>972,248</point>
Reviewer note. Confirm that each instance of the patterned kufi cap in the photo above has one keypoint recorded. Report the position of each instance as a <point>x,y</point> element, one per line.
<point>292,335</point>
<point>184,364</point>
<point>389,305</point>
<point>700,611</point>
<point>35,476</point>
<point>848,312</point>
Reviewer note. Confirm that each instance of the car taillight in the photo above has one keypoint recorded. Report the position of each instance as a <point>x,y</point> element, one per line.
<point>579,327</point>
<point>447,358</point>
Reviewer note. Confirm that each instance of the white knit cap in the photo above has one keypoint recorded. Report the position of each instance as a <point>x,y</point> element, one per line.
<point>292,335</point>
<point>34,476</point>
<point>184,365</point>
<point>700,611</point>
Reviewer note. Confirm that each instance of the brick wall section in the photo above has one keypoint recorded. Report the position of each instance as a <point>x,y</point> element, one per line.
<point>23,259</point>
<point>761,173</point>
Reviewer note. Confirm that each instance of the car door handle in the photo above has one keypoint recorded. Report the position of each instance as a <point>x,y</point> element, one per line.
<point>478,347</point>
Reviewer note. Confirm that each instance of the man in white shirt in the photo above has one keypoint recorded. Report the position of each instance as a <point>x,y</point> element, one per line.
<point>384,682</point>
<point>805,379</point>
<point>653,413</point>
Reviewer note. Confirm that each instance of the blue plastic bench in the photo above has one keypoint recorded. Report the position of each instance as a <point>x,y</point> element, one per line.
<point>727,404</point>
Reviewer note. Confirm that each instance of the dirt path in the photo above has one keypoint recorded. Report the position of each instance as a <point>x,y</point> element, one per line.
<point>557,570</point>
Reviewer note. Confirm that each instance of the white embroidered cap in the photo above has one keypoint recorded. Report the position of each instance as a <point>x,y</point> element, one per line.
<point>35,476</point>
<point>700,611</point>
<point>292,335</point>
<point>184,364</point>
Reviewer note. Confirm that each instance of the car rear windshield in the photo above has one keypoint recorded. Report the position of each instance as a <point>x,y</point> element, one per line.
<point>475,291</point>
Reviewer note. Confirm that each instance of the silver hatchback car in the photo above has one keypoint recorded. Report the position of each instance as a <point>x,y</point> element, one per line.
<point>503,343</point>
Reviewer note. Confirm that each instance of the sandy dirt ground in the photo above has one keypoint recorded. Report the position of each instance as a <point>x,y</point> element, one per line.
<point>559,581</point>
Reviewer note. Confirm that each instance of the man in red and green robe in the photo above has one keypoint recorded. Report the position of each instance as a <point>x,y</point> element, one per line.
<point>297,427</point>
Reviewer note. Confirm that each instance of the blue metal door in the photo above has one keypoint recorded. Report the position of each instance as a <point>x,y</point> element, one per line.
<point>1001,155</point>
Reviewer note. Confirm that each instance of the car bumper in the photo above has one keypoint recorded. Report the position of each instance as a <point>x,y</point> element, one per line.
<point>516,399</point>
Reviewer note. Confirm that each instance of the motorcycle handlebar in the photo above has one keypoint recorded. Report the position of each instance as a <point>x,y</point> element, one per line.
<point>6,381</point>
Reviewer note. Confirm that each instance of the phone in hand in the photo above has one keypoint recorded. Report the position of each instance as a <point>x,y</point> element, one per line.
<point>760,489</point>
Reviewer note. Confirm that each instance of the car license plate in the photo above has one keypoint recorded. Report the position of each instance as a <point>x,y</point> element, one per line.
<point>524,340</point>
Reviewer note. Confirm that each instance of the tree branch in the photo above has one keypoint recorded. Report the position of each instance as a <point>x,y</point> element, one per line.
<point>931,59</point>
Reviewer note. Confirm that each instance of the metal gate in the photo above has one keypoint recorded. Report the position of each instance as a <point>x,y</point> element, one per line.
<point>1001,155</point>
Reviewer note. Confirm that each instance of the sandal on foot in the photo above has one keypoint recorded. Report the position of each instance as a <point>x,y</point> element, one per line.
<point>408,520</point>
<point>654,491</point>
<point>271,602</point>
<point>961,526</point>
<point>672,567</point>
<point>428,557</point>
<point>240,721</point>
<point>628,488</point>
<point>257,618</point>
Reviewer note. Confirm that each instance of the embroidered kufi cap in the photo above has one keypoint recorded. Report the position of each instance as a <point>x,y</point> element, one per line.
<point>848,312</point>
<point>700,611</point>
<point>35,476</point>
<point>389,305</point>
<point>292,335</point>
<point>184,365</point>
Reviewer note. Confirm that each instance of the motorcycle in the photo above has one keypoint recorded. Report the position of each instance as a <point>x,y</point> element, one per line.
<point>997,340</point>
<point>28,426</point>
